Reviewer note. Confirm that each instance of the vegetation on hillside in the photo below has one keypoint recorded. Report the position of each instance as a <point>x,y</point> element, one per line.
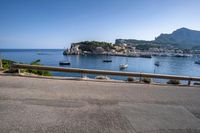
<point>139,44</point>
<point>146,46</point>
<point>92,45</point>
<point>132,42</point>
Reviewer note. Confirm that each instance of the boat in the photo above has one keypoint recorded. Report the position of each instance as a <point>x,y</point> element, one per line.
<point>157,63</point>
<point>106,61</point>
<point>64,63</point>
<point>123,66</point>
<point>183,55</point>
<point>42,53</point>
<point>145,56</point>
<point>197,62</point>
<point>102,77</point>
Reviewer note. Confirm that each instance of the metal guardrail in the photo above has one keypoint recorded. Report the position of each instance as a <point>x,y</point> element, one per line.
<point>104,72</point>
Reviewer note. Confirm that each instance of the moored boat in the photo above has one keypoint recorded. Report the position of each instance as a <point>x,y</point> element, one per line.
<point>107,61</point>
<point>146,56</point>
<point>197,62</point>
<point>64,63</point>
<point>157,63</point>
<point>123,66</point>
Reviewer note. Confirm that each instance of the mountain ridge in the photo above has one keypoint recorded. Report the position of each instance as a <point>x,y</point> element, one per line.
<point>181,38</point>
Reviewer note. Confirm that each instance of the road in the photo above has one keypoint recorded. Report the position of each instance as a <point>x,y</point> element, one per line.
<point>39,105</point>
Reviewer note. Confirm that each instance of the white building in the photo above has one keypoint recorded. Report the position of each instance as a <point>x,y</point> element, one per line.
<point>154,50</point>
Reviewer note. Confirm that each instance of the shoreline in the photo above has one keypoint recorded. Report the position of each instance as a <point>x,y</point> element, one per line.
<point>142,55</point>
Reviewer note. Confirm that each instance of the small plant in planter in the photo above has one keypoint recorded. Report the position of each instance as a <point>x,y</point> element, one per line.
<point>196,83</point>
<point>173,81</point>
<point>130,79</point>
<point>146,80</point>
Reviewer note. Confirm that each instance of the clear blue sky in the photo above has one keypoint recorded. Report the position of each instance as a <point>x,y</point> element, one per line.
<point>57,23</point>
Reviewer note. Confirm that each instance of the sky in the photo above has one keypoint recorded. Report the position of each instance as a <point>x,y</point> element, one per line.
<point>58,23</point>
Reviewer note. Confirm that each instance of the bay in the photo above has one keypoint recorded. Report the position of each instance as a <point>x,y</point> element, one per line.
<point>51,57</point>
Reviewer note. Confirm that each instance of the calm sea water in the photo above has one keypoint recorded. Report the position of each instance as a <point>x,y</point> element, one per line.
<point>168,65</point>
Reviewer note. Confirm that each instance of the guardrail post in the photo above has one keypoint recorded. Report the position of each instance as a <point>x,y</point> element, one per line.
<point>12,69</point>
<point>19,71</point>
<point>140,80</point>
<point>189,82</point>
<point>83,75</point>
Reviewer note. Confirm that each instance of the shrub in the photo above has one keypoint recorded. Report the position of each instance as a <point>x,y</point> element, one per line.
<point>173,81</point>
<point>130,79</point>
<point>6,66</point>
<point>146,80</point>
<point>36,62</point>
<point>38,72</point>
<point>196,83</point>
<point>6,63</point>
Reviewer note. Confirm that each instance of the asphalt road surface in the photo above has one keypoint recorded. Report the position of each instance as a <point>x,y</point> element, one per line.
<point>29,105</point>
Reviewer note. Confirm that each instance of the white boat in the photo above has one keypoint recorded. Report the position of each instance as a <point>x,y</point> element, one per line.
<point>123,66</point>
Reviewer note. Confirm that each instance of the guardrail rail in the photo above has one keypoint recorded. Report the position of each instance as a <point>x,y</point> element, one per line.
<point>105,72</point>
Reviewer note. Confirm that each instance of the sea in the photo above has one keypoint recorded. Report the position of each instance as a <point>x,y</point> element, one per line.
<point>184,66</point>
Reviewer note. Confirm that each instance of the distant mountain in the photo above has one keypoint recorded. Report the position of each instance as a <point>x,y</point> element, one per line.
<point>183,38</point>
